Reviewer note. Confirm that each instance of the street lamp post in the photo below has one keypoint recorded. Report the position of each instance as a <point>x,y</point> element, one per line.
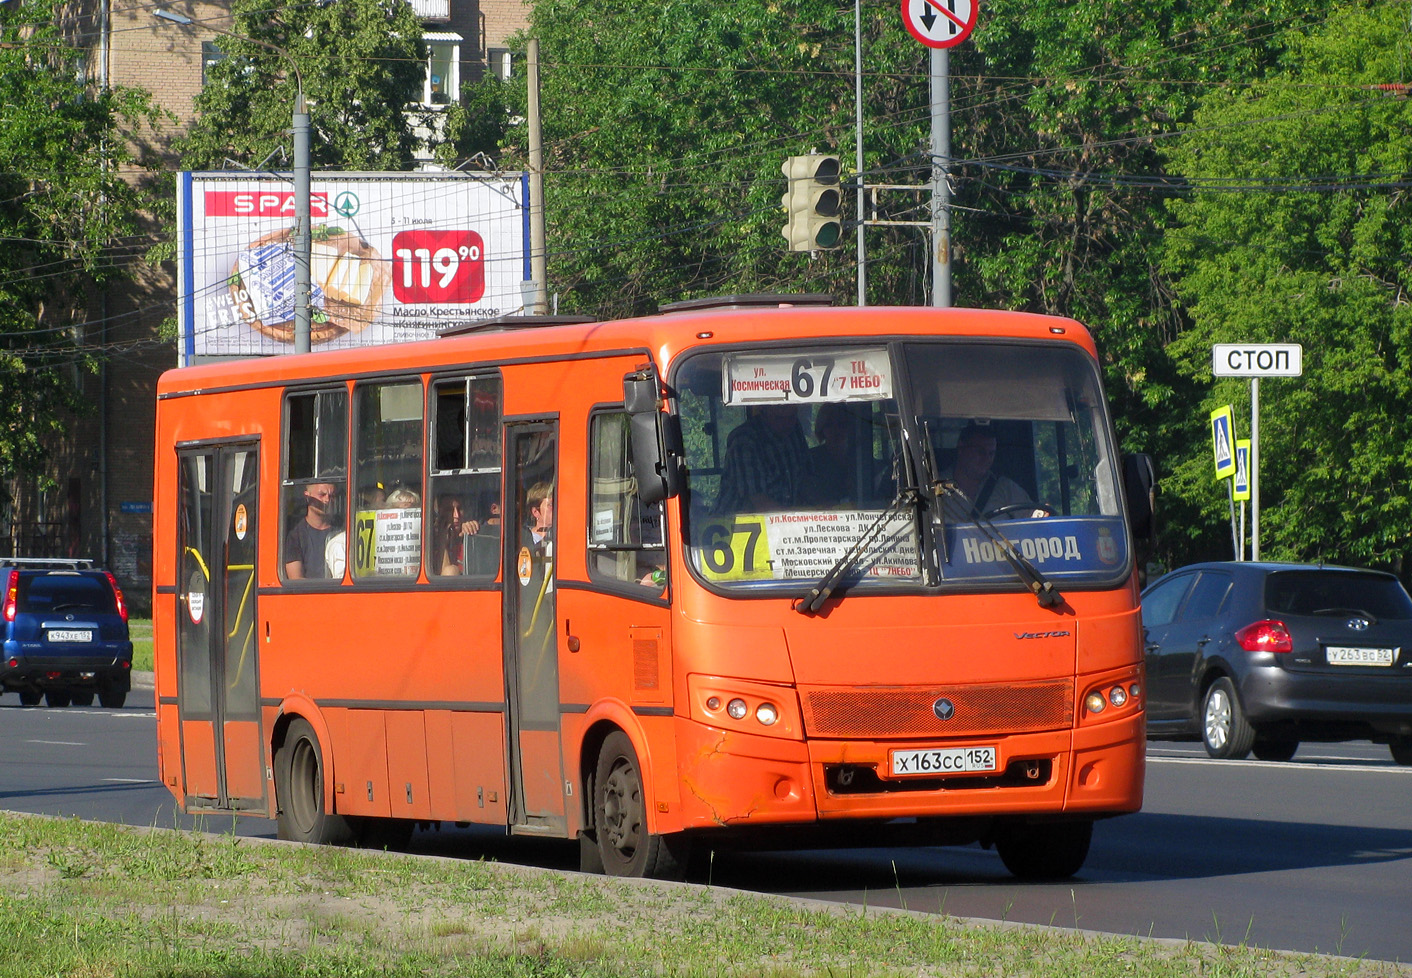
<point>301,240</point>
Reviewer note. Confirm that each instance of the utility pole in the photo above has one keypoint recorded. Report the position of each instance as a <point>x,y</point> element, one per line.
<point>539,270</point>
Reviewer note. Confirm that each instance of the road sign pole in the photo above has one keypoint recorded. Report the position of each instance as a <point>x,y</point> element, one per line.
<point>941,169</point>
<point>1254,468</point>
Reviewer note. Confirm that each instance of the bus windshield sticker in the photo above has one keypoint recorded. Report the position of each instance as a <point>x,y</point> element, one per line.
<point>1053,545</point>
<point>801,378</point>
<point>803,546</point>
<point>389,541</point>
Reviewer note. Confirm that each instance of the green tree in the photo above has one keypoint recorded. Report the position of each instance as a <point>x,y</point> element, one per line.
<point>362,62</point>
<point>1299,229</point>
<point>66,214</point>
<point>665,126</point>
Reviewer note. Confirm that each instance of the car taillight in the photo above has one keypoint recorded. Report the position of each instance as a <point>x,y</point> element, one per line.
<point>1269,635</point>
<point>12,594</point>
<point>118,593</point>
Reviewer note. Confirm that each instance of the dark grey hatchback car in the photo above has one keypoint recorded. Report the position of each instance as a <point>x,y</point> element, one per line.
<point>1258,657</point>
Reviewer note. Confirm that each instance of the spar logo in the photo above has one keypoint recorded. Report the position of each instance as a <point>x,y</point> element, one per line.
<point>260,203</point>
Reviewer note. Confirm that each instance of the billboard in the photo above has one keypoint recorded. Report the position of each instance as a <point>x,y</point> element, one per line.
<point>394,257</point>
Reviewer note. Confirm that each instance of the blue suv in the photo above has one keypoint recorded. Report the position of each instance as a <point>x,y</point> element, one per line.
<point>65,633</point>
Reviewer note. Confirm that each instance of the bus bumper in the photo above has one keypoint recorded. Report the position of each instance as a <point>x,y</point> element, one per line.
<point>732,779</point>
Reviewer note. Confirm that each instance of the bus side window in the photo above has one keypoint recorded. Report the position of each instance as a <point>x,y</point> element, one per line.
<point>464,533</point>
<point>387,468</point>
<point>625,541</point>
<point>314,487</point>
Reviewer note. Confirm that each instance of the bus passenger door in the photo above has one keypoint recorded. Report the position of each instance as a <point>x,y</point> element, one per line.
<point>531,632</point>
<point>218,697</point>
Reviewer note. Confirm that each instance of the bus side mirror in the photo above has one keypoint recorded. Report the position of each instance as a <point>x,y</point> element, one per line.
<point>656,439</point>
<point>1140,488</point>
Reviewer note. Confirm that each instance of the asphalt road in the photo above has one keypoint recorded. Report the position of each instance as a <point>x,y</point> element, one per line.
<point>1314,854</point>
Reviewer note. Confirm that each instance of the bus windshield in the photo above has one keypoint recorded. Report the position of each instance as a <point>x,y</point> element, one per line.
<point>909,462</point>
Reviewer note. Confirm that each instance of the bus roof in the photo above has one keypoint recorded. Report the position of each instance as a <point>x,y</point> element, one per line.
<point>664,334</point>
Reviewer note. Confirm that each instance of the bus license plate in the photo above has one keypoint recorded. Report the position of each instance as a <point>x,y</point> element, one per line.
<point>955,760</point>
<point>1339,655</point>
<point>69,635</point>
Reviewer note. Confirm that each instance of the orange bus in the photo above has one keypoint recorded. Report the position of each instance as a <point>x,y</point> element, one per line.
<point>752,571</point>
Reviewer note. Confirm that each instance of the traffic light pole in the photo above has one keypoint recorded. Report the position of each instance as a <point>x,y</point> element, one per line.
<point>941,167</point>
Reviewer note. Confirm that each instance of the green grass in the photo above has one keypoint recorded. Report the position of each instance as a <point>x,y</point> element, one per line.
<point>140,630</point>
<point>96,900</point>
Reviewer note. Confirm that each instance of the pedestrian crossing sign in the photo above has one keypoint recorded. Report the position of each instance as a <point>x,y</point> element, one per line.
<point>1240,488</point>
<point>1223,441</point>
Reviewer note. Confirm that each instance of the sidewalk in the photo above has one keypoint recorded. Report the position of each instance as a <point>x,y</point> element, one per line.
<point>141,680</point>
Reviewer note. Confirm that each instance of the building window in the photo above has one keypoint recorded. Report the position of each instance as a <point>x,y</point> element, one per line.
<point>443,81</point>
<point>498,62</point>
<point>210,54</point>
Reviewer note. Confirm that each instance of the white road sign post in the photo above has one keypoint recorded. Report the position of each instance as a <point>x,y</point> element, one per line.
<point>1256,360</point>
<point>940,24</point>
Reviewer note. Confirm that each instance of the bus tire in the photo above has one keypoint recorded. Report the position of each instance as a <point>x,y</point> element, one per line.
<point>625,846</point>
<point>1044,850</point>
<point>299,792</point>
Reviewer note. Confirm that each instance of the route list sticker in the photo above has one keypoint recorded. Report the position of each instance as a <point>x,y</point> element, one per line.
<point>803,546</point>
<point>792,378</point>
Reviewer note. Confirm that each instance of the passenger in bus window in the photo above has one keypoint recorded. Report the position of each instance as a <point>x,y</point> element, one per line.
<point>452,528</point>
<point>835,460</point>
<point>985,490</point>
<point>540,502</point>
<point>306,542</point>
<point>336,554</point>
<point>767,461</point>
<point>403,498</point>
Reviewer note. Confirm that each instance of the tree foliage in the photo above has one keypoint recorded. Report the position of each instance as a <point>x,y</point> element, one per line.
<point>64,209</point>
<point>362,63</point>
<point>1299,229</point>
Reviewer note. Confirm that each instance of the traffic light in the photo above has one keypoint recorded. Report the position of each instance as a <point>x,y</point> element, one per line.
<point>812,201</point>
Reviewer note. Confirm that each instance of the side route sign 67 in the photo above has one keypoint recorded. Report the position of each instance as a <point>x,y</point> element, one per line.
<point>939,23</point>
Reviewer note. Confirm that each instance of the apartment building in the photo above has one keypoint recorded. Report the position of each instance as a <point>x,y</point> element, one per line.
<point>100,505</point>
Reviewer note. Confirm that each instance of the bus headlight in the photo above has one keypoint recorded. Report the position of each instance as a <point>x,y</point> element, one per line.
<point>737,709</point>
<point>1117,696</point>
<point>1094,702</point>
<point>767,714</point>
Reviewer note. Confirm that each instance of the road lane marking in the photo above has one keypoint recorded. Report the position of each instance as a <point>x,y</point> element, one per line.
<point>58,743</point>
<point>1304,765</point>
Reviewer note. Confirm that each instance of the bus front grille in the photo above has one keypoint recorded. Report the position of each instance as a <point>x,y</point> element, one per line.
<point>917,711</point>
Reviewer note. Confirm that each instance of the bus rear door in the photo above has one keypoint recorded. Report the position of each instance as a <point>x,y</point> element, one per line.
<point>219,694</point>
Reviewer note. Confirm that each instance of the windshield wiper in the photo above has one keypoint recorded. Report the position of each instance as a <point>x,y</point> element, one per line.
<point>1043,589</point>
<point>820,592</point>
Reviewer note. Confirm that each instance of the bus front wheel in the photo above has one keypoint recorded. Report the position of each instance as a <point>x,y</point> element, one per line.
<point>1044,850</point>
<point>299,791</point>
<point>625,846</point>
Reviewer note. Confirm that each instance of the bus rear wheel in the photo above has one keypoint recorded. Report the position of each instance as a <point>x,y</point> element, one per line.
<point>1044,850</point>
<point>299,791</point>
<point>625,846</point>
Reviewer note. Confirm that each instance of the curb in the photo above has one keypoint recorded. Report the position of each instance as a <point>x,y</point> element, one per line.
<point>142,680</point>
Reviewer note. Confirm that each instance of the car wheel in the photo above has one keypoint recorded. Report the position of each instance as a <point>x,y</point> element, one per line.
<point>620,819</point>
<point>1274,749</point>
<point>1044,850</point>
<point>1224,729</point>
<point>112,701</point>
<point>56,698</point>
<point>30,697</point>
<point>299,792</point>
<point>1402,751</point>
<point>83,699</point>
